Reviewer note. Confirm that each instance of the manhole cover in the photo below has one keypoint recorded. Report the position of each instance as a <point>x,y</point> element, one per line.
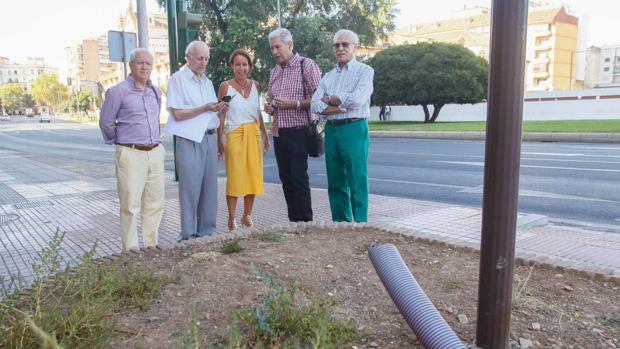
<point>33,204</point>
<point>5,218</point>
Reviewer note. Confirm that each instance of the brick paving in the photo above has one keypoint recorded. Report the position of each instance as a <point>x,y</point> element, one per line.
<point>39,195</point>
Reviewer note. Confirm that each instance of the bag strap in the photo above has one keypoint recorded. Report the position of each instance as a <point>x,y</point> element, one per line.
<point>158,110</point>
<point>303,88</point>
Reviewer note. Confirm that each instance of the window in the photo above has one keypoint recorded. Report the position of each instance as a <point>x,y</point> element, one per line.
<point>617,59</point>
<point>607,59</point>
<point>606,69</point>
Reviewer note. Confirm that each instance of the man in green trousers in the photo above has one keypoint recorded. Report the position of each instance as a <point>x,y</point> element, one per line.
<point>343,98</point>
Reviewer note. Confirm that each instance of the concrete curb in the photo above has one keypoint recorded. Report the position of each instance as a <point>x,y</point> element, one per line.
<point>521,257</point>
<point>598,137</point>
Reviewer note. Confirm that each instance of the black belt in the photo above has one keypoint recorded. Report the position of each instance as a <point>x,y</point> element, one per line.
<point>340,122</point>
<point>292,129</point>
<point>143,147</point>
<point>211,131</point>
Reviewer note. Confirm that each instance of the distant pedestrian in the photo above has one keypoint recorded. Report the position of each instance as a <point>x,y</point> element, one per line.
<point>193,107</point>
<point>289,104</point>
<point>343,97</point>
<point>382,113</point>
<point>130,120</point>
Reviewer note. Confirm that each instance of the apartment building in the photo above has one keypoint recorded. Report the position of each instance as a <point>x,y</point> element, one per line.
<point>87,62</point>
<point>551,41</point>
<point>597,67</point>
<point>24,74</point>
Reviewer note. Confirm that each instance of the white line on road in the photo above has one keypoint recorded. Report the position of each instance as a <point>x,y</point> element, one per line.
<point>541,194</point>
<point>411,182</point>
<point>534,166</point>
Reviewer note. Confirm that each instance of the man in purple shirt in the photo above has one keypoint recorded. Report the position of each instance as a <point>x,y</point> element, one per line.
<point>130,120</point>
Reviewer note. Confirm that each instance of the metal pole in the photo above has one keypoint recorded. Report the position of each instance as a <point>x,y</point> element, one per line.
<point>501,171</point>
<point>173,45</point>
<point>143,28</point>
<point>279,16</point>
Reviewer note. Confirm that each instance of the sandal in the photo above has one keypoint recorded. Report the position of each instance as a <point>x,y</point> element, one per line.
<point>232,223</point>
<point>246,221</point>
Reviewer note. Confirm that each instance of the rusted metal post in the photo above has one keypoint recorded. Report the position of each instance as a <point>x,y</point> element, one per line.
<point>501,171</point>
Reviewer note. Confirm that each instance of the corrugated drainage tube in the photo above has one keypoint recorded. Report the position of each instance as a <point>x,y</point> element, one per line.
<point>419,312</point>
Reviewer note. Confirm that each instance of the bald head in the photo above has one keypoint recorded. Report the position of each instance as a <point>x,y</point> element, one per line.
<point>197,56</point>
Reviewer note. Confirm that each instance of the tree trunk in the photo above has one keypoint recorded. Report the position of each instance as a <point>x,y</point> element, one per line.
<point>436,111</point>
<point>427,115</point>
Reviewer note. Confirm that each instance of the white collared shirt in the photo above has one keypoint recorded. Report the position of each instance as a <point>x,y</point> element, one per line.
<point>187,92</point>
<point>352,84</point>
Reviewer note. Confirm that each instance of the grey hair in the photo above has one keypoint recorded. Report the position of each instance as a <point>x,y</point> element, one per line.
<point>282,33</point>
<point>192,45</point>
<point>135,51</point>
<point>355,40</point>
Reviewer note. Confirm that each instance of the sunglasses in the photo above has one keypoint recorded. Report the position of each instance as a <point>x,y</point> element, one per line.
<point>343,44</point>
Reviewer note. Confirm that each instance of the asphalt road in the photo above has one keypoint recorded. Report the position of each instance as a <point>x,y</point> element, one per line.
<point>573,184</point>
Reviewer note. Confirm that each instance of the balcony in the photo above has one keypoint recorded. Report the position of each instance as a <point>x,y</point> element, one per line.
<point>540,74</point>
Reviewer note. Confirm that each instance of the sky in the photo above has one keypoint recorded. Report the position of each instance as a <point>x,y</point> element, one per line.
<point>44,28</point>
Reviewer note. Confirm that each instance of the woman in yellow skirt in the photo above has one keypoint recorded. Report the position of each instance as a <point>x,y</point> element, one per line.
<point>241,146</point>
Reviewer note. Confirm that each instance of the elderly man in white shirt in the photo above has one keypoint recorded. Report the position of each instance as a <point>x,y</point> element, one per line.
<point>343,98</point>
<point>194,108</point>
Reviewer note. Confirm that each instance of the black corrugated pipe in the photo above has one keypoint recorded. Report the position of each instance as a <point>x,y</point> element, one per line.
<point>421,315</point>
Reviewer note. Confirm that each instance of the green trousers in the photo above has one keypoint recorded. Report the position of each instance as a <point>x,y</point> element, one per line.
<point>346,159</point>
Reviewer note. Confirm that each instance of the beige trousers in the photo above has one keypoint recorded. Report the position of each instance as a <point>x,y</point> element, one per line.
<point>140,182</point>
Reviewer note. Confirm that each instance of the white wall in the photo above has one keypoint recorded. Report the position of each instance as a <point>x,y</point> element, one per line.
<point>532,110</point>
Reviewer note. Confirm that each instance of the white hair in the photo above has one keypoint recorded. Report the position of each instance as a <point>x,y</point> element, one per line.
<point>135,51</point>
<point>193,44</point>
<point>282,33</point>
<point>342,32</point>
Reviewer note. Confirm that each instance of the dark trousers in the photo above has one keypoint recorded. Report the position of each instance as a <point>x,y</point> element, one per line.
<point>291,149</point>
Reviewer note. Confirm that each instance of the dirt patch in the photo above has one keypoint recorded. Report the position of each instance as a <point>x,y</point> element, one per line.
<point>552,309</point>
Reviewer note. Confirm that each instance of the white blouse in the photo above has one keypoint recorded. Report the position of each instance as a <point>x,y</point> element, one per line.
<point>242,110</point>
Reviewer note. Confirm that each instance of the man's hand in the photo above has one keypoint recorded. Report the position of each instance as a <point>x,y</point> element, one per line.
<point>218,107</point>
<point>269,109</point>
<point>331,100</point>
<point>284,103</point>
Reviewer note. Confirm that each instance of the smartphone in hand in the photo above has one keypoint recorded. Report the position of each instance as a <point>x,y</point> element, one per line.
<point>227,98</point>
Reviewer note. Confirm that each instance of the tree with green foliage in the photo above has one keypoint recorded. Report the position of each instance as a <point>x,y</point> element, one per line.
<point>47,90</point>
<point>28,101</point>
<point>246,24</point>
<point>12,96</point>
<point>429,74</point>
<point>80,101</point>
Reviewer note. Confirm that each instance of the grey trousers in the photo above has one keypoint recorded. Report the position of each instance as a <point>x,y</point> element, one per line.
<point>197,170</point>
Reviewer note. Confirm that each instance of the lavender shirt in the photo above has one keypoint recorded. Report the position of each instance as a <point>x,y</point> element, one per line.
<point>130,115</point>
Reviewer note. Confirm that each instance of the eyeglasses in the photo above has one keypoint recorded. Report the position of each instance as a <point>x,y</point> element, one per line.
<point>343,44</point>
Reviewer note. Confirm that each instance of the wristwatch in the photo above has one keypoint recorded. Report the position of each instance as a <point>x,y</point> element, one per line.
<point>298,107</point>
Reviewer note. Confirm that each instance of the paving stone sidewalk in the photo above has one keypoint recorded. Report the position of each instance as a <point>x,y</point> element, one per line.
<point>39,196</point>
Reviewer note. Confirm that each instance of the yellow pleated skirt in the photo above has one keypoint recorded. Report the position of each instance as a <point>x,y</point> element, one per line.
<point>244,161</point>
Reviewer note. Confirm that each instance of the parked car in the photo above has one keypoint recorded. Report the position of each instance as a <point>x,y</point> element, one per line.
<point>45,117</point>
<point>29,112</point>
<point>5,117</point>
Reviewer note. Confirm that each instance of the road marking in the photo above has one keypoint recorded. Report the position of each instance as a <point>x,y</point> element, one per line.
<point>534,166</point>
<point>541,194</point>
<point>551,154</point>
<point>569,160</point>
<point>411,182</point>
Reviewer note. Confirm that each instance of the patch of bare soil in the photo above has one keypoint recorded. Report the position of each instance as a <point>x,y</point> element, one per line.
<point>552,309</point>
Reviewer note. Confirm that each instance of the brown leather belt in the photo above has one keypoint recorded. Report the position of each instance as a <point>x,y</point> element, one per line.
<point>143,147</point>
<point>339,122</point>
